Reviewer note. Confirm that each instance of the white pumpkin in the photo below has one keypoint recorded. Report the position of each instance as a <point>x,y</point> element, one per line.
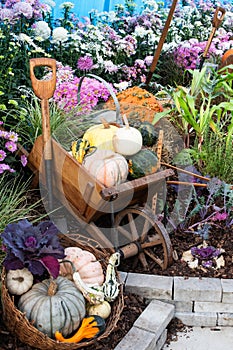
<point>107,167</point>
<point>127,140</point>
<point>19,281</point>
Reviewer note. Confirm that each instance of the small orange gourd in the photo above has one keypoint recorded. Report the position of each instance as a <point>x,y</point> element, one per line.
<point>91,327</point>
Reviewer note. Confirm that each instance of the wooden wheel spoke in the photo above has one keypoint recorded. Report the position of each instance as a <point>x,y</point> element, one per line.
<point>145,230</point>
<point>125,233</point>
<point>152,243</point>
<point>141,225</point>
<point>142,258</point>
<point>154,257</point>
<point>133,227</point>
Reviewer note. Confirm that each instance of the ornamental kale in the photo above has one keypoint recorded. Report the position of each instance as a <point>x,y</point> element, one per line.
<point>34,247</point>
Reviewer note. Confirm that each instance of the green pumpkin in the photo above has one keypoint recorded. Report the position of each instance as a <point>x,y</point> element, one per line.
<point>143,163</point>
<point>149,134</point>
<point>54,305</point>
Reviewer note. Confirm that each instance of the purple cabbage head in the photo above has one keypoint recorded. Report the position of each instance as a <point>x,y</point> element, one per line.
<point>34,247</point>
<point>205,253</point>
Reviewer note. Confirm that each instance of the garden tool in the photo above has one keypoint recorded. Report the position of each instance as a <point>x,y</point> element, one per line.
<point>217,21</point>
<point>44,90</point>
<point>160,44</point>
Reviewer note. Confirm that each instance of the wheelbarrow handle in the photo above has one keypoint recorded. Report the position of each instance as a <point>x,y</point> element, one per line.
<point>44,89</point>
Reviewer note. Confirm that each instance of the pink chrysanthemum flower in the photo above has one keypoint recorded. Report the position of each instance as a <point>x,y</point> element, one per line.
<point>85,63</point>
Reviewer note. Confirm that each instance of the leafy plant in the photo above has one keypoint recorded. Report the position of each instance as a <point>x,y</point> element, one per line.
<point>30,125</point>
<point>216,157</point>
<point>34,247</point>
<point>13,201</point>
<point>212,207</point>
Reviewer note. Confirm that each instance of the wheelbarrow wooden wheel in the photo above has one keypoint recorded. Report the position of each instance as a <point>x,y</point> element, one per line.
<point>140,227</point>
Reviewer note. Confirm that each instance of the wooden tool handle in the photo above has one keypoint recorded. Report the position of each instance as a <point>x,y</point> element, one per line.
<point>218,17</point>
<point>161,42</point>
<point>217,20</point>
<point>44,89</point>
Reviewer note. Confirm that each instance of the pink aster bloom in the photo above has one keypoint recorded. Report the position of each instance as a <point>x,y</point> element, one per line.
<point>23,160</point>
<point>220,216</point>
<point>2,155</point>
<point>4,167</point>
<point>11,146</point>
<point>12,136</point>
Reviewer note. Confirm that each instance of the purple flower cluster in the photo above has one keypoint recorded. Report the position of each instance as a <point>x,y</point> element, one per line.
<point>188,53</point>
<point>66,93</point>
<point>8,146</point>
<point>85,63</point>
<point>13,10</point>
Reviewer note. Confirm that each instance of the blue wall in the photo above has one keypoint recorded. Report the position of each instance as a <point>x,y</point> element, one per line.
<point>83,7</point>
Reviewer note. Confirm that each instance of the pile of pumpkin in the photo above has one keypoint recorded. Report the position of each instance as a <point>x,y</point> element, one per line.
<point>113,154</point>
<point>75,305</point>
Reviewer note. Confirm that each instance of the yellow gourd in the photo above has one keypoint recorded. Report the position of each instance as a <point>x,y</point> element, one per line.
<point>102,309</point>
<point>101,135</point>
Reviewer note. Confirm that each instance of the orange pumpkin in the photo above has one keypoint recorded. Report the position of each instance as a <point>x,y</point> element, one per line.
<point>107,167</point>
<point>85,264</point>
<point>227,59</point>
<point>137,104</point>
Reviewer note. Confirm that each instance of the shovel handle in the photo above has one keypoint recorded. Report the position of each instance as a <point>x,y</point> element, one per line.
<point>217,20</point>
<point>44,89</point>
<point>218,17</point>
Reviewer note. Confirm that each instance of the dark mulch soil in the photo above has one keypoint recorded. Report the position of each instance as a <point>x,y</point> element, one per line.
<point>219,237</point>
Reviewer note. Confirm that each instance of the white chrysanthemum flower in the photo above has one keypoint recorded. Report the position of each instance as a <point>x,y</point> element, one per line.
<point>60,35</point>
<point>122,86</point>
<point>110,67</point>
<point>50,3</point>
<point>25,38</point>
<point>41,31</point>
<point>67,5</point>
<point>140,31</point>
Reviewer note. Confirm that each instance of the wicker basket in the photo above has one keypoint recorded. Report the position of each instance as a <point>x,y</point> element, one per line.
<point>18,324</point>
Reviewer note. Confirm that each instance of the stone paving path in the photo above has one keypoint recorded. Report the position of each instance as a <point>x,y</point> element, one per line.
<point>202,338</point>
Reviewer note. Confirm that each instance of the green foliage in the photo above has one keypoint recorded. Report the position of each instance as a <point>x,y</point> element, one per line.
<point>30,127</point>
<point>13,201</point>
<point>216,156</point>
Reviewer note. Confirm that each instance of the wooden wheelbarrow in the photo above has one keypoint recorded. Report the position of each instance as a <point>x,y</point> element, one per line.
<point>134,227</point>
